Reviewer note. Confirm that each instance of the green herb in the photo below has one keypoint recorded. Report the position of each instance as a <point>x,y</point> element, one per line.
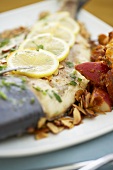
<point>49,93</point>
<point>23,87</point>
<point>38,46</point>
<point>9,84</point>
<point>58,98</point>
<point>32,101</point>
<point>12,49</point>
<point>44,92</point>
<point>23,79</point>
<point>4,56</point>
<point>3,96</point>
<point>6,84</point>
<point>15,54</point>
<point>79,79</point>
<point>69,64</point>
<point>37,88</point>
<point>73,76</point>
<point>74,72</point>
<point>2,68</point>
<point>4,42</point>
<point>73,83</point>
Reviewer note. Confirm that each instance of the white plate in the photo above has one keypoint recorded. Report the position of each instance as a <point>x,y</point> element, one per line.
<point>90,128</point>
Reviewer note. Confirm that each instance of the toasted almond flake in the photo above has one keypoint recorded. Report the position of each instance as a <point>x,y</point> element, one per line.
<point>67,123</point>
<point>56,72</point>
<point>53,128</point>
<point>90,113</point>
<point>76,116</point>
<point>41,135</point>
<point>80,109</point>
<point>66,118</point>
<point>87,100</point>
<point>57,122</point>
<point>44,14</point>
<point>41,122</point>
<point>61,66</point>
<point>81,102</point>
<point>49,78</point>
<point>78,95</point>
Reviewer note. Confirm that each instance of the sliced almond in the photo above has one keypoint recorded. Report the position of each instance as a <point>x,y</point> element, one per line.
<point>54,129</point>
<point>80,109</point>
<point>87,100</point>
<point>57,122</point>
<point>56,72</point>
<point>41,135</point>
<point>61,66</point>
<point>67,123</point>
<point>41,122</point>
<point>90,113</point>
<point>78,95</point>
<point>76,116</point>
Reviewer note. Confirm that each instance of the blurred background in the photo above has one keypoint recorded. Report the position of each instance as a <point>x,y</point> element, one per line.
<point>103,9</point>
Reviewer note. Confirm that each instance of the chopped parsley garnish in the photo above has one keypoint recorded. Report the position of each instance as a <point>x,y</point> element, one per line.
<point>38,46</point>
<point>73,83</point>
<point>69,64</point>
<point>58,98</point>
<point>12,49</point>
<point>79,79</point>
<point>39,89</point>
<point>73,76</point>
<point>32,101</point>
<point>3,96</point>
<point>45,92</point>
<point>4,42</point>
<point>9,84</point>
<point>23,79</point>
<point>2,68</point>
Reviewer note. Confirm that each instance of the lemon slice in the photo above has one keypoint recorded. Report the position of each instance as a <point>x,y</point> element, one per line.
<point>56,29</point>
<point>43,62</point>
<point>63,18</point>
<point>70,24</point>
<point>49,43</point>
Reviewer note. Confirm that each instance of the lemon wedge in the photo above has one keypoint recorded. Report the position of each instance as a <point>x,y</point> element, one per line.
<point>56,29</point>
<point>42,63</point>
<point>49,43</point>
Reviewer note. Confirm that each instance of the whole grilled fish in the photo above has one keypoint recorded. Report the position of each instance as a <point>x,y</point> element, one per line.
<point>54,94</point>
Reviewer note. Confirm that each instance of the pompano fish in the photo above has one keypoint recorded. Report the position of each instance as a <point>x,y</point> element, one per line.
<point>55,94</point>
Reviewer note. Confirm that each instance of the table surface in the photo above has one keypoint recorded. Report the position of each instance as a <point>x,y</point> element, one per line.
<point>103,9</point>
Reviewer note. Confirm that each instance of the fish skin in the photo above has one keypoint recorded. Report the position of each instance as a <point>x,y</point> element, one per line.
<point>19,108</point>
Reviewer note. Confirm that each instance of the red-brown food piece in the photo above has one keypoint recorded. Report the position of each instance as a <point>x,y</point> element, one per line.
<point>94,71</point>
<point>98,53</point>
<point>100,100</point>
<point>109,83</point>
